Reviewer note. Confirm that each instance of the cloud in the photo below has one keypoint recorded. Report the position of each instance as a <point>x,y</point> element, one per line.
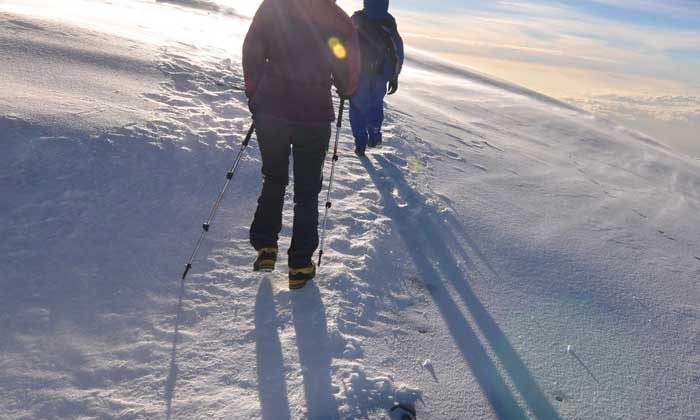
<point>671,109</point>
<point>490,46</point>
<point>673,120</point>
<point>671,8</point>
<point>619,66</point>
<point>557,34</point>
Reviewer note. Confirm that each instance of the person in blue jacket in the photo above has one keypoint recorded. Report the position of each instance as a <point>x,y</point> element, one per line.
<point>382,55</point>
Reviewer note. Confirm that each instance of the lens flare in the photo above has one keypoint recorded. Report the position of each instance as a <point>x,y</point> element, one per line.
<point>337,48</point>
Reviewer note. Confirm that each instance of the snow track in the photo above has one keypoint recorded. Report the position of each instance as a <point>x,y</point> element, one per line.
<point>256,317</point>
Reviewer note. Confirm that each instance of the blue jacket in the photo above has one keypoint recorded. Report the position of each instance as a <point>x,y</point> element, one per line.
<point>379,10</point>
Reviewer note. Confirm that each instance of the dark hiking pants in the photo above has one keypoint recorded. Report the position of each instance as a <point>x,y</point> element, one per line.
<point>308,145</point>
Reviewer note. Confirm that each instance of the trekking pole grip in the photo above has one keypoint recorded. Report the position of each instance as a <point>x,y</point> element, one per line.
<point>251,130</point>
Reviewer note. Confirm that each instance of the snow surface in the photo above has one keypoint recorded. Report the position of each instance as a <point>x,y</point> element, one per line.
<point>504,256</point>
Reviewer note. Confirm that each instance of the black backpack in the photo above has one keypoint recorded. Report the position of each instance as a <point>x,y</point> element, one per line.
<point>376,43</point>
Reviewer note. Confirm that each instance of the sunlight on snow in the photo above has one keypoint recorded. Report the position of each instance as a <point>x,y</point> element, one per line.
<point>144,21</point>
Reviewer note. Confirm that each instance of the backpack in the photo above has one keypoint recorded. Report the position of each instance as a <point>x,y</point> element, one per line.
<point>377,43</point>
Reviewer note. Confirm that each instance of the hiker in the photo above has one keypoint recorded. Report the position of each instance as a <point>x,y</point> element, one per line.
<point>295,50</point>
<point>382,54</point>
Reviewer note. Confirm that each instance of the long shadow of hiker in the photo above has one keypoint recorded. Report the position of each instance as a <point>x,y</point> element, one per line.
<point>272,388</point>
<point>314,353</point>
<point>427,241</point>
<point>171,381</point>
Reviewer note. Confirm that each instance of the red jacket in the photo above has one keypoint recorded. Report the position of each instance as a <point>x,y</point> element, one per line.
<point>293,52</point>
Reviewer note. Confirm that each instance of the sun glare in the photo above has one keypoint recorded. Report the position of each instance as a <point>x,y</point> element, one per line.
<point>337,48</point>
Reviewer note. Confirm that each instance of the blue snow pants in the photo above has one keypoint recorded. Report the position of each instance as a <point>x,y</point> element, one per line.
<point>367,109</point>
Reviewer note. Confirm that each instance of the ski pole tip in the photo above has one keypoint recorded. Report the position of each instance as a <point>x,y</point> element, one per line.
<point>188,267</point>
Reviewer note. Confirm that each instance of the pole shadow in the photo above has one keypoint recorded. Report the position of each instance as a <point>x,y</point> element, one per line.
<point>314,353</point>
<point>431,245</point>
<point>272,387</point>
<point>171,381</point>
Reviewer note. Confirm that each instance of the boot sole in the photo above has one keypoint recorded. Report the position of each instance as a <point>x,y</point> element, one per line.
<point>297,284</point>
<point>264,268</point>
<point>300,282</point>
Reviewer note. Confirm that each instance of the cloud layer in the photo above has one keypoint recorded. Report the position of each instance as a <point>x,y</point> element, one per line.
<point>631,60</point>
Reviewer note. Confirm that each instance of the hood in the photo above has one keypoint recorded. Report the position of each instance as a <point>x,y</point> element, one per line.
<point>377,9</point>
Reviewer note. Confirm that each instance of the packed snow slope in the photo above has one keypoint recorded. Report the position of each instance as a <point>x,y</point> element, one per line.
<point>504,256</point>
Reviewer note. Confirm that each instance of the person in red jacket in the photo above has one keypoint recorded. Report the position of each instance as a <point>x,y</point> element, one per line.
<point>294,52</point>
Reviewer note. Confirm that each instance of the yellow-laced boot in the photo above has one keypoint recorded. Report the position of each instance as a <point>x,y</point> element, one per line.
<point>267,257</point>
<point>299,276</point>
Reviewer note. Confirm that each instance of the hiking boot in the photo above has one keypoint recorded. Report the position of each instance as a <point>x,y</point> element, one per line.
<point>267,257</point>
<point>376,141</point>
<point>299,276</point>
<point>401,412</point>
<point>360,151</point>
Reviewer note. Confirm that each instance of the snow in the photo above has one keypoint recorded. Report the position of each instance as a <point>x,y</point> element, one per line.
<point>503,256</point>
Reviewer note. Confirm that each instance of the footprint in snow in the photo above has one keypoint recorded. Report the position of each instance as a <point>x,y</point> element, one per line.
<point>640,214</point>
<point>400,202</point>
<point>428,365</point>
<point>455,156</point>
<point>559,396</point>
<point>666,235</point>
<point>493,147</point>
<point>346,247</point>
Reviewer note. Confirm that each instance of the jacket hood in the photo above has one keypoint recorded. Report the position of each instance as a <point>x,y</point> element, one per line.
<point>377,9</point>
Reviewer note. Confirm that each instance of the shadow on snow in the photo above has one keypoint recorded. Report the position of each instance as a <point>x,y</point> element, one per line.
<point>272,388</point>
<point>314,352</point>
<point>431,246</point>
<point>314,348</point>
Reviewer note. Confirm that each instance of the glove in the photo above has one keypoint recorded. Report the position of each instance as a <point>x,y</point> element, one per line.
<point>341,94</point>
<point>393,87</point>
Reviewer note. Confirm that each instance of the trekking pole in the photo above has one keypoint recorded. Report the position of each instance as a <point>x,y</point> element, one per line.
<point>338,126</point>
<point>217,204</point>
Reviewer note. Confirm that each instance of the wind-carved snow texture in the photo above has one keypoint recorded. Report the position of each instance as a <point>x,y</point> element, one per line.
<point>328,343</point>
<point>88,332</point>
<point>494,230</point>
<point>123,363</point>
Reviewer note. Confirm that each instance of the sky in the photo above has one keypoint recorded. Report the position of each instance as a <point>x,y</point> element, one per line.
<point>636,62</point>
